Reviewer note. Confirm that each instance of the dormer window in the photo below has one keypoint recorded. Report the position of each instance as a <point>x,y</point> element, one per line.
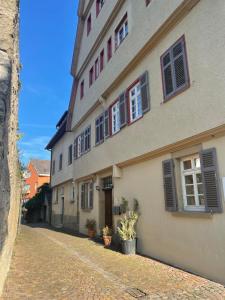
<point>89,24</point>
<point>121,31</point>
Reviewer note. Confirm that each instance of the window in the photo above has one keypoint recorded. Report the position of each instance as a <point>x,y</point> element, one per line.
<point>87,139</point>
<point>53,167</point>
<point>174,69</point>
<point>121,31</point>
<point>99,5</point>
<point>101,60</point>
<point>60,161</point>
<point>192,185</point>
<point>96,68</point>
<point>115,118</point>
<point>91,76</point>
<point>99,129</point>
<point>87,195</point>
<point>70,154</point>
<point>88,24</point>
<point>82,143</point>
<point>82,89</point>
<point>109,48</point>
<point>147,2</point>
<point>135,102</point>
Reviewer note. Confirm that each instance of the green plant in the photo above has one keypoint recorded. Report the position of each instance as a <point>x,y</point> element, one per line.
<point>124,205</point>
<point>106,231</point>
<point>126,229</point>
<point>91,224</point>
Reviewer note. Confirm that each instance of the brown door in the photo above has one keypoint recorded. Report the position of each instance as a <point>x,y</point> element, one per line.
<point>108,208</point>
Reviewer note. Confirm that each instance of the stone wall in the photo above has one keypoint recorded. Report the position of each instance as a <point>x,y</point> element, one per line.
<point>9,167</point>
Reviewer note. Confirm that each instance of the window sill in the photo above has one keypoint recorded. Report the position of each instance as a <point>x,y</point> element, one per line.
<point>87,210</point>
<point>192,213</point>
<point>178,92</point>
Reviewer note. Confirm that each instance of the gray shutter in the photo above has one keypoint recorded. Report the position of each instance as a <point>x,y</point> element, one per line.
<point>91,195</point>
<point>75,148</point>
<point>169,185</point>
<point>210,180</point>
<point>123,109</point>
<point>106,123</point>
<point>83,196</point>
<point>145,95</point>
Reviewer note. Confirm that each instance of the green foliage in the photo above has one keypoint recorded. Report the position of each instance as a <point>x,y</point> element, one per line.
<point>127,226</point>
<point>91,224</point>
<point>39,198</point>
<point>126,229</point>
<point>106,231</point>
<point>124,206</point>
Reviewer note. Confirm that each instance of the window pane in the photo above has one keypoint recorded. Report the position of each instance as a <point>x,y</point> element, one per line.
<point>200,188</point>
<point>187,164</point>
<point>188,179</point>
<point>199,178</point>
<point>179,71</point>
<point>190,200</point>
<point>201,200</point>
<point>197,163</point>
<point>189,189</point>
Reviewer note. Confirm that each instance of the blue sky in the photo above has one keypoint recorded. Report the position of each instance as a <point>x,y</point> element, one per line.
<point>47,33</point>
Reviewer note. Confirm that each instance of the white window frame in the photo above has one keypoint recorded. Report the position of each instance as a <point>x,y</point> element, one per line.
<point>193,171</point>
<point>124,28</point>
<point>115,117</point>
<point>137,101</point>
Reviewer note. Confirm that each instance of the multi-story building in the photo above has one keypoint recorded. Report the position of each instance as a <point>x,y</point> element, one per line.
<point>37,173</point>
<point>146,120</point>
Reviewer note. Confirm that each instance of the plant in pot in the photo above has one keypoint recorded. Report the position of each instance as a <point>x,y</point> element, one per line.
<point>127,231</point>
<point>107,236</point>
<point>91,226</point>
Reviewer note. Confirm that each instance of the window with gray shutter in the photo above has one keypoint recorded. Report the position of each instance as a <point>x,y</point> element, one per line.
<point>211,180</point>
<point>123,109</point>
<point>169,185</point>
<point>83,196</point>
<point>91,195</point>
<point>145,95</point>
<point>175,69</point>
<point>99,129</point>
<point>106,123</point>
<point>75,149</point>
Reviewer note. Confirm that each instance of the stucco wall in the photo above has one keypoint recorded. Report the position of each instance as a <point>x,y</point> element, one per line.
<point>10,177</point>
<point>193,241</point>
<point>70,206</point>
<point>196,110</point>
<point>67,170</point>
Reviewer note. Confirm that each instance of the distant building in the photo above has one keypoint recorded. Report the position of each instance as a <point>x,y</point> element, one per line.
<point>37,173</point>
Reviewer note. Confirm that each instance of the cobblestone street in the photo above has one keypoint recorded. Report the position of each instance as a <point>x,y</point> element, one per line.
<point>53,265</point>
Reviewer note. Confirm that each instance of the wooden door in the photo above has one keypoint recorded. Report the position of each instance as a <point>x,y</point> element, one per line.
<point>108,208</point>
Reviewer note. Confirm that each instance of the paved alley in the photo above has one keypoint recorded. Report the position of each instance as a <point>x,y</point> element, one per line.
<point>53,265</point>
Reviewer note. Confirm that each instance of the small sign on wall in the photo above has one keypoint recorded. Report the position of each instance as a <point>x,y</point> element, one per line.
<point>223,182</point>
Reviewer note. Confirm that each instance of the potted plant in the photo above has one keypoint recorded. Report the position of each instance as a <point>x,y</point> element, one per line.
<point>91,226</point>
<point>127,231</point>
<point>107,236</point>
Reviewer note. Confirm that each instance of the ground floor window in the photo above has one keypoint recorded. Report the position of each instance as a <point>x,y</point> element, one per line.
<point>192,184</point>
<point>87,195</point>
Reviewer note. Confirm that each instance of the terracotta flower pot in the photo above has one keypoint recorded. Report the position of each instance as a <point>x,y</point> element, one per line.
<point>91,233</point>
<point>107,240</point>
